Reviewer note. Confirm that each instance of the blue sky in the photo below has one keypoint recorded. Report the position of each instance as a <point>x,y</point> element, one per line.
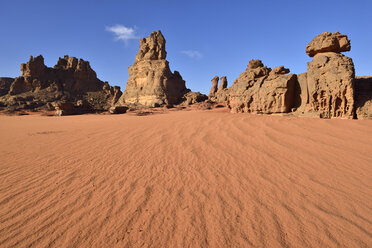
<point>204,38</point>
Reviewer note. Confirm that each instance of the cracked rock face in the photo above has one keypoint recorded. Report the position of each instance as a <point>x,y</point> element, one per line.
<point>330,83</point>
<point>5,83</point>
<point>262,90</point>
<point>363,97</point>
<point>151,82</point>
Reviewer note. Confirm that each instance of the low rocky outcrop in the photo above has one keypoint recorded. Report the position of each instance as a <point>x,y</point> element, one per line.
<point>65,108</point>
<point>118,110</point>
<point>192,98</point>
<point>262,90</point>
<point>151,82</point>
<point>328,42</point>
<point>363,97</point>
<point>70,81</point>
<point>5,83</point>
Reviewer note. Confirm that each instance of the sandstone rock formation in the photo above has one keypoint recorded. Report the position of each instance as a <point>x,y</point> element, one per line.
<point>151,82</point>
<point>328,42</point>
<point>193,97</point>
<point>301,96</point>
<point>327,89</point>
<point>118,110</point>
<point>5,83</point>
<point>262,90</point>
<point>363,97</point>
<point>219,93</point>
<point>71,80</point>
<point>65,108</point>
<point>214,88</point>
<point>223,84</point>
<point>330,81</point>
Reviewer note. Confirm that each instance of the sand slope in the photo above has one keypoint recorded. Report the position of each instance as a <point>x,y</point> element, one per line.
<point>185,179</point>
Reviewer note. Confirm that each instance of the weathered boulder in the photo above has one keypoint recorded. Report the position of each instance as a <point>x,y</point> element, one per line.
<point>113,91</point>
<point>328,42</point>
<point>65,108</point>
<point>193,97</point>
<point>254,63</point>
<point>330,83</point>
<point>118,110</point>
<point>363,97</point>
<point>151,82</point>
<point>70,80</point>
<point>5,83</point>
<point>257,90</point>
<point>280,70</point>
<point>214,88</point>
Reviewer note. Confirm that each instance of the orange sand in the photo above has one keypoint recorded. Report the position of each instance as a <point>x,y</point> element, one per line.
<point>185,179</point>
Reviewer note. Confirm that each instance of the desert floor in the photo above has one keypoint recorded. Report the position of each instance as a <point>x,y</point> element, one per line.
<point>185,179</point>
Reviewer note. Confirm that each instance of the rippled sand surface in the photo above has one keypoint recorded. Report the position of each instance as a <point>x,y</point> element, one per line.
<point>185,179</point>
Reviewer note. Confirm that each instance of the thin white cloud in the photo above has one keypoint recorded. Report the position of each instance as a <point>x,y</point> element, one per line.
<point>193,54</point>
<point>122,32</point>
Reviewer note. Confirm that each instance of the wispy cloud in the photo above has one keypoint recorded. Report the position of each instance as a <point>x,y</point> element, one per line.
<point>122,32</point>
<point>193,54</point>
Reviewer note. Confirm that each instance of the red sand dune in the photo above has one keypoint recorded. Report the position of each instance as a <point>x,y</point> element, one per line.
<point>185,179</point>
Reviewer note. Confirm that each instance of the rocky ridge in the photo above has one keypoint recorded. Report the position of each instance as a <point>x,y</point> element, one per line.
<point>70,82</point>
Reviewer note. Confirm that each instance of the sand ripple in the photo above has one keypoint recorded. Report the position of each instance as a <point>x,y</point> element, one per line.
<point>185,179</point>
